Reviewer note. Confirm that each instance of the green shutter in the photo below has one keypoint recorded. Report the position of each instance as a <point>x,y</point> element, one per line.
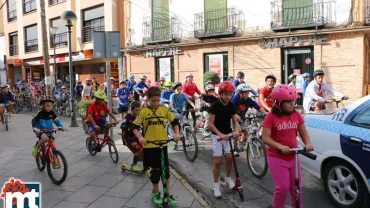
<point>215,16</point>
<point>160,19</point>
<point>297,12</point>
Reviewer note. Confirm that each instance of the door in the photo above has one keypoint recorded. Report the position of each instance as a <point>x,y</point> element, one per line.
<point>17,74</point>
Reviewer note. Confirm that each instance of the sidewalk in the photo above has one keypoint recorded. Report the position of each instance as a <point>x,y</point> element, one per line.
<point>93,181</point>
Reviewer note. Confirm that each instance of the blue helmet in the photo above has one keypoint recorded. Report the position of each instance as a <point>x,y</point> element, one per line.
<point>131,76</point>
<point>229,77</point>
<point>306,75</point>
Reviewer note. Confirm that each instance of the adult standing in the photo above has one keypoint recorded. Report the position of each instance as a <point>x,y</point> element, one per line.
<point>189,89</point>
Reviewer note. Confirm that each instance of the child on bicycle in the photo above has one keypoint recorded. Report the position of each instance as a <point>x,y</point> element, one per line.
<point>63,95</point>
<point>152,120</point>
<point>6,98</point>
<point>279,133</point>
<point>206,100</point>
<point>129,139</point>
<point>44,120</point>
<point>242,102</point>
<point>166,94</point>
<point>123,95</point>
<point>178,100</point>
<point>264,99</point>
<point>95,117</point>
<point>220,115</point>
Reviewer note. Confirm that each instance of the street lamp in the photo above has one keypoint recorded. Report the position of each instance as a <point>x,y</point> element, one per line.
<point>68,16</point>
<point>53,32</point>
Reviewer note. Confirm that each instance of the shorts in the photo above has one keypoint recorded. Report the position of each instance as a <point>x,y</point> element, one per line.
<point>100,123</point>
<point>217,146</point>
<point>152,158</point>
<point>123,109</point>
<point>133,144</point>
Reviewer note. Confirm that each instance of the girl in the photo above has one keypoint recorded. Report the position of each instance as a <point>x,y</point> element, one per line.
<point>279,132</point>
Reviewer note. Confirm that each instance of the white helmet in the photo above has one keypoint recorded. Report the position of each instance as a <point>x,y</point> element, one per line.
<point>143,76</point>
<point>243,88</point>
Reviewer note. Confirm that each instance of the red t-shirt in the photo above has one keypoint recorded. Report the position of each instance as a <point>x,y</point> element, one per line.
<point>97,111</point>
<point>267,93</point>
<point>284,131</point>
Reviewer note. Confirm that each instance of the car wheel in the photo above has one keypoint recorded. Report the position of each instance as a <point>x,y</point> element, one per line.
<point>344,185</point>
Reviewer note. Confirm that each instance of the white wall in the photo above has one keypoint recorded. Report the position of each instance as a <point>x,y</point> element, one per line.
<point>2,61</point>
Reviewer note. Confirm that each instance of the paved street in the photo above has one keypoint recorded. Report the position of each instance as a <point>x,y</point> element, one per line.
<point>93,181</point>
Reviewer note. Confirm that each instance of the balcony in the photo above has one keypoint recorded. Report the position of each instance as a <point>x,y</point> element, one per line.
<point>31,45</point>
<point>309,16</point>
<point>162,30</point>
<point>60,40</point>
<point>52,2</point>
<point>367,12</point>
<point>29,6</point>
<point>13,50</point>
<point>88,31</point>
<point>219,23</point>
<point>12,15</point>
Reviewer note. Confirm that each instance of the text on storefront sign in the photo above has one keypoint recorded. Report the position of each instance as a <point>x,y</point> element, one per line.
<point>162,52</point>
<point>288,42</point>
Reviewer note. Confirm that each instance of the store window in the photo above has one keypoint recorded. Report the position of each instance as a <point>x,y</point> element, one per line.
<point>164,66</point>
<point>217,62</point>
<point>93,20</point>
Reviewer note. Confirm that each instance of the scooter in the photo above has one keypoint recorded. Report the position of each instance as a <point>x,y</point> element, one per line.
<point>124,167</point>
<point>238,185</point>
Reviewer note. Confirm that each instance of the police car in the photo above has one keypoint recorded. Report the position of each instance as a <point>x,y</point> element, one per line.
<point>341,138</point>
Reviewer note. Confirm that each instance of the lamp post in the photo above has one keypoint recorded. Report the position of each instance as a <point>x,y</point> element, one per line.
<point>68,16</point>
<point>53,31</point>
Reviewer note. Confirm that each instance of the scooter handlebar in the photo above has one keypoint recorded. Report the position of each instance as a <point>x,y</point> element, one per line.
<point>302,151</point>
<point>230,137</point>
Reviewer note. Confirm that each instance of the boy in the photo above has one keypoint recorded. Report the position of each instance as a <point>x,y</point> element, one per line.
<point>293,80</point>
<point>242,103</point>
<point>166,94</point>
<point>264,100</point>
<point>95,117</point>
<point>220,115</point>
<point>44,119</point>
<point>63,95</point>
<point>152,120</point>
<point>178,100</point>
<point>162,83</point>
<point>123,96</point>
<point>129,139</point>
<point>139,87</point>
<point>206,100</point>
<point>306,77</point>
<point>240,80</point>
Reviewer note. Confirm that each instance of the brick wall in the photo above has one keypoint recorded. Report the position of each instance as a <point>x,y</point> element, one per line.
<point>138,65</point>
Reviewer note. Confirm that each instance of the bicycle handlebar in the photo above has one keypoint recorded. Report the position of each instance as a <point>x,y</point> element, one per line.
<point>301,150</point>
<point>230,136</point>
<point>160,142</point>
<point>50,131</point>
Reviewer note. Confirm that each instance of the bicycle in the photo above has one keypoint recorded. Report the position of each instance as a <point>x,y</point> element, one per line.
<point>339,101</point>
<point>188,137</point>
<point>98,143</point>
<point>65,107</point>
<point>200,122</point>
<point>45,157</point>
<point>16,106</point>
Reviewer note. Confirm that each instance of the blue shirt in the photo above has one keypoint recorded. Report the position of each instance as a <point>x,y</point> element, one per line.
<point>178,102</point>
<point>166,96</point>
<point>236,83</point>
<point>243,105</point>
<point>4,98</point>
<point>123,95</point>
<point>130,85</point>
<point>45,120</point>
<point>140,86</point>
<point>304,86</point>
<point>57,89</point>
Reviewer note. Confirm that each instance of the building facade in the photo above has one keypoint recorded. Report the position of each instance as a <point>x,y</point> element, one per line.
<point>278,37</point>
<point>23,40</point>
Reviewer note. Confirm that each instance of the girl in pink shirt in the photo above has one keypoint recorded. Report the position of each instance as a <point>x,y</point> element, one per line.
<point>279,132</point>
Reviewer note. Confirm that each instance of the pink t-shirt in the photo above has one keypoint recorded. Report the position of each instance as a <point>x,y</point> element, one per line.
<point>284,131</point>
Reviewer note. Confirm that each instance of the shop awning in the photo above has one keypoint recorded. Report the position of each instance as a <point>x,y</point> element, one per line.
<point>59,59</point>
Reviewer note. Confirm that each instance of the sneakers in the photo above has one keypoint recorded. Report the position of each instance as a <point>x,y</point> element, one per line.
<point>35,150</point>
<point>157,198</point>
<point>230,182</point>
<point>216,190</point>
<point>245,146</point>
<point>135,168</point>
<point>171,200</point>
<point>90,148</point>
<point>56,164</point>
<point>206,133</point>
<point>236,153</point>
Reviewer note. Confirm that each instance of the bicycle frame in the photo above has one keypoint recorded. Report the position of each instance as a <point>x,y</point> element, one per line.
<point>48,148</point>
<point>101,142</point>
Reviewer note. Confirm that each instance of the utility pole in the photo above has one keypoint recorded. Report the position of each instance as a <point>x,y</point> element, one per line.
<point>45,48</point>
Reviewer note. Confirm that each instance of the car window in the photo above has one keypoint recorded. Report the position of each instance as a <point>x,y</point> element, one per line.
<point>363,117</point>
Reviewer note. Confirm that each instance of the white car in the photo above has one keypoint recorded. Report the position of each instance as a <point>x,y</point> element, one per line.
<point>341,138</point>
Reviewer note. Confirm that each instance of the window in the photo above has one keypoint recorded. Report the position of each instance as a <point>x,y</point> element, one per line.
<point>164,66</point>
<point>13,44</point>
<point>61,35</point>
<point>29,6</point>
<point>52,2</point>
<point>217,62</point>
<point>363,117</point>
<point>93,20</point>
<point>31,42</point>
<point>12,10</point>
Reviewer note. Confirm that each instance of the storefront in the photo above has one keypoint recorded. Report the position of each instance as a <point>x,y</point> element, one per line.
<point>342,55</point>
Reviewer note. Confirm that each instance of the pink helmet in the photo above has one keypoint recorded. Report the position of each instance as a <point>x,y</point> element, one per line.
<point>64,87</point>
<point>189,75</point>
<point>162,78</point>
<point>88,79</point>
<point>156,84</point>
<point>283,92</point>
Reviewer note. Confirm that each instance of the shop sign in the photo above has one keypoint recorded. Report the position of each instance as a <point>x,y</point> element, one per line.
<point>289,42</point>
<point>17,62</point>
<point>161,52</point>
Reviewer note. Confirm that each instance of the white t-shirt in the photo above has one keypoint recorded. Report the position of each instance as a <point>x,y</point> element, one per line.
<point>88,90</point>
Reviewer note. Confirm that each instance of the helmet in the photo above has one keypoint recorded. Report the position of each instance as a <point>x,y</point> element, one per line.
<point>88,79</point>
<point>131,76</point>
<point>3,86</point>
<point>112,78</point>
<point>270,76</point>
<point>59,81</point>
<point>100,95</point>
<point>64,87</point>
<point>46,100</point>
<point>208,82</point>
<point>292,76</point>
<point>209,86</point>
<point>243,88</point>
<point>240,74</point>
<point>143,77</point>
<point>168,84</point>
<point>162,78</point>
<point>176,84</point>
<point>189,75</point>
<point>229,77</point>
<point>226,87</point>
<point>156,84</point>
<point>283,92</point>
<point>318,72</point>
<point>306,75</point>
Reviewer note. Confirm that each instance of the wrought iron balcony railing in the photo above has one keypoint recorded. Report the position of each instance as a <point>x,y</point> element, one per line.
<point>13,50</point>
<point>88,31</point>
<point>286,16</point>
<point>12,15</point>
<point>367,12</point>
<point>31,45</point>
<point>162,30</point>
<point>222,22</point>
<point>60,40</point>
<point>52,2</point>
<point>29,6</point>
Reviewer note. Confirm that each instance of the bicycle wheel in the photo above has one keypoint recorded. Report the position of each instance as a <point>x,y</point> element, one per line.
<point>198,123</point>
<point>61,171</point>
<point>170,133</point>
<point>29,106</point>
<point>40,160</point>
<point>93,143</point>
<point>113,152</point>
<point>190,144</point>
<point>257,157</point>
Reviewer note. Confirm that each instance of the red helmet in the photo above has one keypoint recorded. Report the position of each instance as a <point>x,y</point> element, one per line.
<point>283,92</point>
<point>226,87</point>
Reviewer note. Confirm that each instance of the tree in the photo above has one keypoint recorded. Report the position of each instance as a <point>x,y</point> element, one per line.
<point>211,76</point>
